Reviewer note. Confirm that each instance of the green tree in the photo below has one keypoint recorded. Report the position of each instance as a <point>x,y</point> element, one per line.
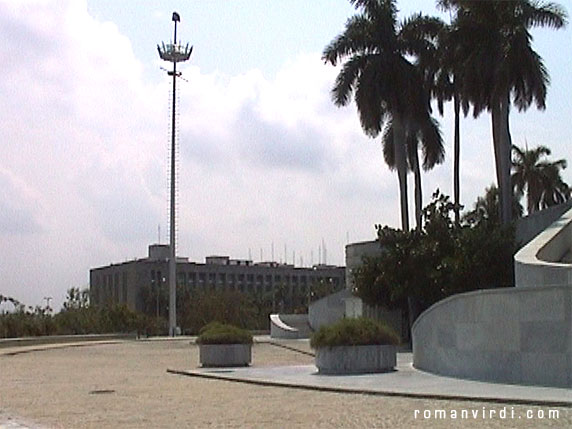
<point>229,307</point>
<point>501,68</point>
<point>76,298</point>
<point>418,268</point>
<point>383,81</point>
<point>539,178</point>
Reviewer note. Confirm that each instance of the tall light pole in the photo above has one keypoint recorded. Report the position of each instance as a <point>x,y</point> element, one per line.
<point>175,53</point>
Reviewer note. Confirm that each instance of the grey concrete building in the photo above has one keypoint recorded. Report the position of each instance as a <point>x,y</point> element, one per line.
<point>122,283</point>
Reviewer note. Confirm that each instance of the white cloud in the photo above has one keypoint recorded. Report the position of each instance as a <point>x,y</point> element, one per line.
<point>19,206</point>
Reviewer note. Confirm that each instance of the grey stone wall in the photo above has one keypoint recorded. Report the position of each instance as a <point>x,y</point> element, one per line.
<point>355,253</point>
<point>328,310</point>
<point>510,335</point>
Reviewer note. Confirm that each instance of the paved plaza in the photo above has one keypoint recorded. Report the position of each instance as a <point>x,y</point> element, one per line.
<point>146,383</point>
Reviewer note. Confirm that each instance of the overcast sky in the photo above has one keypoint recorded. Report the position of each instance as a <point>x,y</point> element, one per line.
<point>265,158</point>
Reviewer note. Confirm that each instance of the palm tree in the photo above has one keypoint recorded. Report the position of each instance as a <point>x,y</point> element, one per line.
<point>384,83</point>
<point>557,191</point>
<point>487,208</point>
<point>501,68</point>
<point>539,178</point>
<point>443,64</point>
<point>429,136</point>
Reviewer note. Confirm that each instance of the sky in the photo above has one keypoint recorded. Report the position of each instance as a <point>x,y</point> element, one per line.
<point>267,164</point>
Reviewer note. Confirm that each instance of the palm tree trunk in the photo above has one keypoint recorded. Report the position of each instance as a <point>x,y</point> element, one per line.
<point>507,150</point>
<point>502,145</point>
<point>418,190</point>
<point>495,117</point>
<point>456,161</point>
<point>401,166</point>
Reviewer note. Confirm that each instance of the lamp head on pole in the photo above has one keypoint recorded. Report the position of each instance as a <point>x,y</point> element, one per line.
<point>175,52</point>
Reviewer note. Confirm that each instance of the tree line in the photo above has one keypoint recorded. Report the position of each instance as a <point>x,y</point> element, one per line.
<point>195,309</point>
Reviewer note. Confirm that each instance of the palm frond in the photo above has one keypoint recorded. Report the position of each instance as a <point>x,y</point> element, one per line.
<point>378,10</point>
<point>368,97</point>
<point>432,144</point>
<point>356,39</point>
<point>540,14</point>
<point>387,144</point>
<point>347,79</point>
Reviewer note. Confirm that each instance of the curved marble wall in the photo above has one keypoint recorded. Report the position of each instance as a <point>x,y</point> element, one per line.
<point>520,335</point>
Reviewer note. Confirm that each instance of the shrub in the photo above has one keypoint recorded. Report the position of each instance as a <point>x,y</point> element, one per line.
<point>219,333</point>
<point>212,326</point>
<point>354,332</point>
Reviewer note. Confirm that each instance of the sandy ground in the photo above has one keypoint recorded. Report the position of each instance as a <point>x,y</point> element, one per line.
<point>126,386</point>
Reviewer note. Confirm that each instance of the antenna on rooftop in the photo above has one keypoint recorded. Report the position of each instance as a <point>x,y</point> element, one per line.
<point>174,53</point>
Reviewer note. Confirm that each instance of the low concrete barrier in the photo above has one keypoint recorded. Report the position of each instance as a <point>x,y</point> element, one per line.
<point>356,359</point>
<point>225,355</point>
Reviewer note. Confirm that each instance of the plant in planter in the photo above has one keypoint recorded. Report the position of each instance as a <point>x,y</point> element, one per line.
<point>223,345</point>
<point>354,346</point>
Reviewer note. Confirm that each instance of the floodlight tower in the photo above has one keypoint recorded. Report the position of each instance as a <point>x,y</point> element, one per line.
<point>175,53</point>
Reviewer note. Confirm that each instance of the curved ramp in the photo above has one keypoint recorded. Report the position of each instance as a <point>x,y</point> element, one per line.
<point>289,326</point>
<point>546,259</point>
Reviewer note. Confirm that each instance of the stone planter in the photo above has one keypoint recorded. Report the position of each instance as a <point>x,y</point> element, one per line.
<point>356,359</point>
<point>221,355</point>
